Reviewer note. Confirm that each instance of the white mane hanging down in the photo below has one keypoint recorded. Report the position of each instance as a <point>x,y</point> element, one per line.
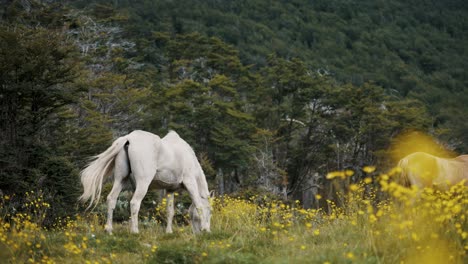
<point>168,163</point>
<point>425,170</point>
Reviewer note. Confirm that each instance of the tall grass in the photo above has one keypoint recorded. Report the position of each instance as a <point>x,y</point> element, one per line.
<point>411,226</point>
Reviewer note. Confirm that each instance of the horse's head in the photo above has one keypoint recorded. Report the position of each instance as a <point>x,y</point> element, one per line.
<point>201,217</point>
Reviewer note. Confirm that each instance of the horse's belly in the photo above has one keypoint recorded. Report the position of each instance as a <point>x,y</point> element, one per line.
<point>165,179</point>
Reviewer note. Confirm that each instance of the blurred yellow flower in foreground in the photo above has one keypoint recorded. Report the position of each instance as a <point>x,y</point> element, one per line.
<point>368,169</point>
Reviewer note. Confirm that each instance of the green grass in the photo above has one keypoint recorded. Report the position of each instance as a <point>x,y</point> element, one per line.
<point>238,246</point>
<point>220,246</point>
<point>433,229</point>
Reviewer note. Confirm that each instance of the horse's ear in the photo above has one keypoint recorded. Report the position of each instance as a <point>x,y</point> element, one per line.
<point>212,193</point>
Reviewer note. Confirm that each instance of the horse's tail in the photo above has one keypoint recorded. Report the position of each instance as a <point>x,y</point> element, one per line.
<point>99,169</point>
<point>403,175</point>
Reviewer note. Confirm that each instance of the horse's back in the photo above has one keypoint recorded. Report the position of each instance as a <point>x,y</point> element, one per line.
<point>175,156</point>
<point>179,146</point>
<point>142,135</point>
<point>425,170</point>
<point>184,156</point>
<point>462,158</point>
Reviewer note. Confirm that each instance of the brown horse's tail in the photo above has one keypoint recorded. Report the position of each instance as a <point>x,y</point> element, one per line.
<point>403,177</point>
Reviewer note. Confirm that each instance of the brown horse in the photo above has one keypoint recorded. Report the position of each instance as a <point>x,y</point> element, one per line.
<point>425,170</point>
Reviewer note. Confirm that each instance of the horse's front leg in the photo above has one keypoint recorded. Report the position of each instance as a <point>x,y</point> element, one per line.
<point>170,211</point>
<point>200,210</point>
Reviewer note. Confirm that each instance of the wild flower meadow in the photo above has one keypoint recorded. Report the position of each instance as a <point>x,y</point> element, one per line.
<point>375,220</point>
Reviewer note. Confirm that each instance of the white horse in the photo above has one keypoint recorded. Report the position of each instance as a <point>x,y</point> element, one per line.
<point>144,158</point>
<point>425,170</point>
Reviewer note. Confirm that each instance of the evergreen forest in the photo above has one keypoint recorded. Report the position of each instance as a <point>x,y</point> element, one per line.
<point>271,95</point>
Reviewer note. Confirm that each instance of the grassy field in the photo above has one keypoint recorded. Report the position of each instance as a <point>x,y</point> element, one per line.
<point>410,226</point>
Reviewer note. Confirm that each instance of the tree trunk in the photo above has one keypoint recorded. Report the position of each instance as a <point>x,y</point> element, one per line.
<point>220,181</point>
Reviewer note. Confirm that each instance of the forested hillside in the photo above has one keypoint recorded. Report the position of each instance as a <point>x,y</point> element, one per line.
<point>272,95</point>
<point>412,49</point>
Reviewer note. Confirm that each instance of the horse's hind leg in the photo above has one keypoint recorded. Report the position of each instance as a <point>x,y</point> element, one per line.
<point>170,211</point>
<point>121,171</point>
<point>135,203</point>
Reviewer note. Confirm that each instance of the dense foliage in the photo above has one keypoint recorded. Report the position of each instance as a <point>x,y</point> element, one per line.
<point>271,94</point>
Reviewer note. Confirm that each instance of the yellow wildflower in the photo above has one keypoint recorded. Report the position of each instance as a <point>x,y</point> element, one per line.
<point>368,169</point>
